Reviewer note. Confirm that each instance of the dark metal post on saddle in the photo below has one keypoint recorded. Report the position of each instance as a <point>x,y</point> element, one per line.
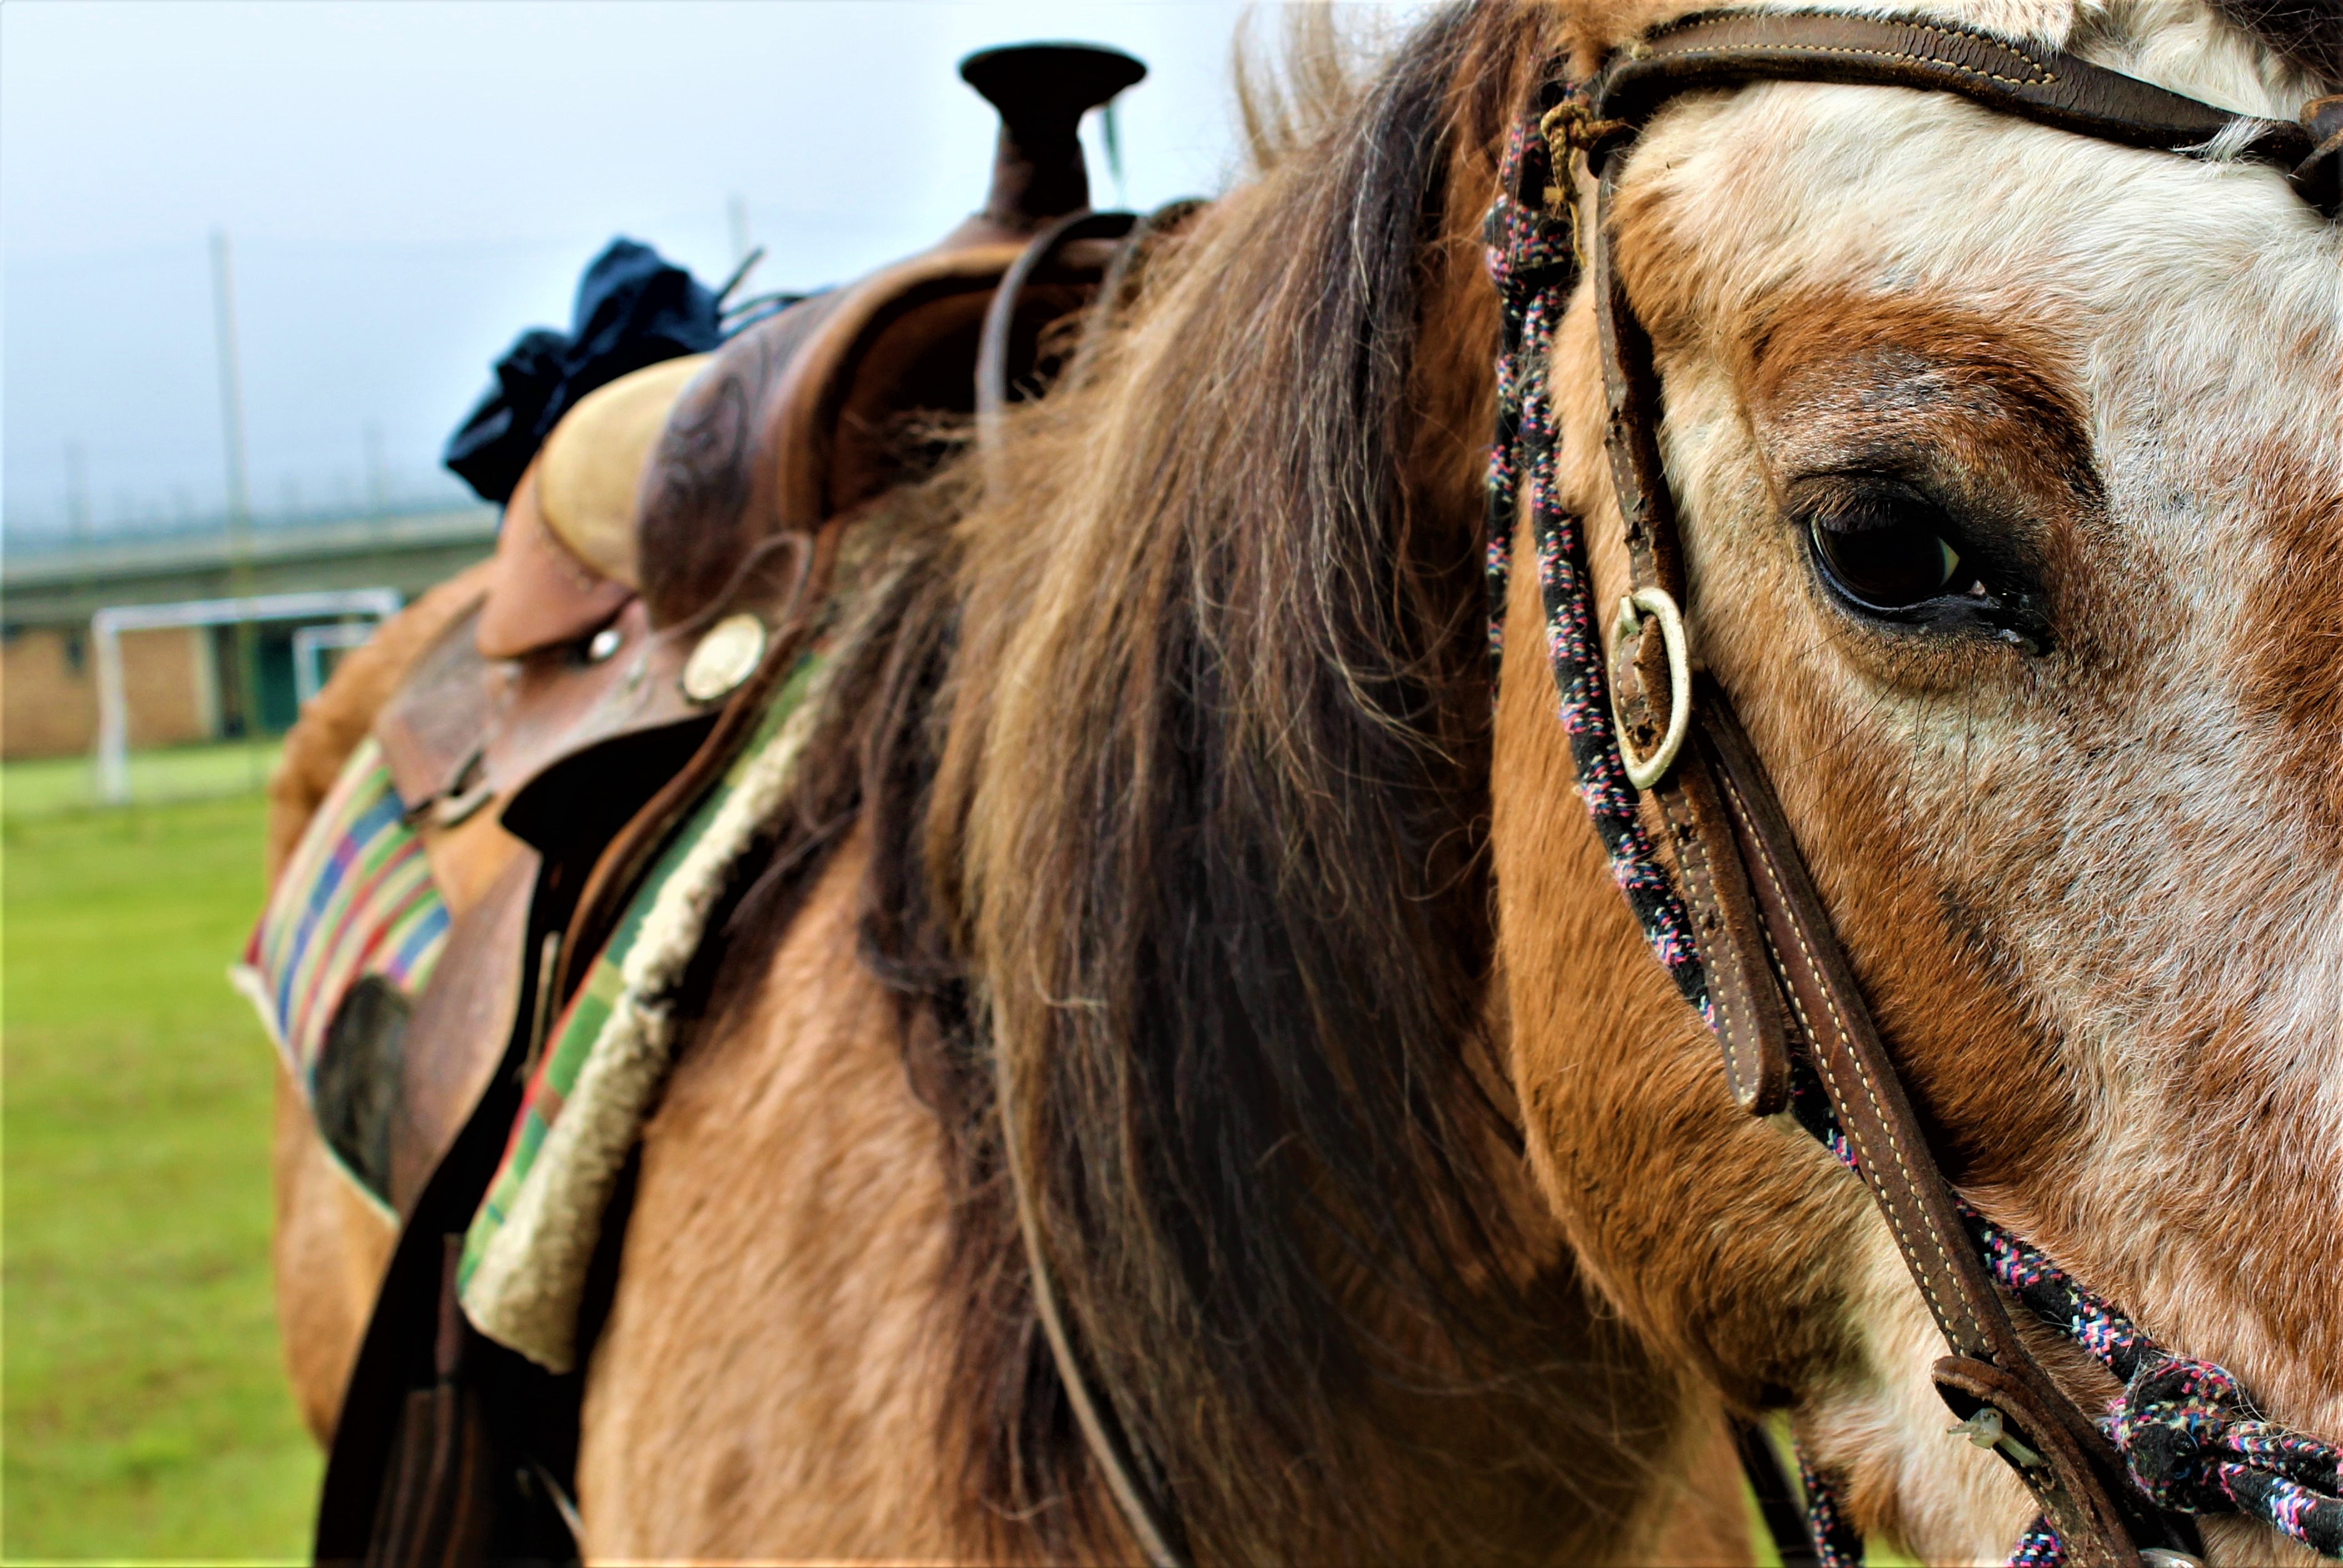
<point>1042,91</point>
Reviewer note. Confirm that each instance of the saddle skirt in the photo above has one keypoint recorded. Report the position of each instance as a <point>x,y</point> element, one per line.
<point>526,1256</point>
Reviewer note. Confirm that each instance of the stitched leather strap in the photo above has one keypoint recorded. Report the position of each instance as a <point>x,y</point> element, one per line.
<point>1726,49</point>
<point>1742,1000</point>
<point>1765,940</point>
<point>2075,1483</point>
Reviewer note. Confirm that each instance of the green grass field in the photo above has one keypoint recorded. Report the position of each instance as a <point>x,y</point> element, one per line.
<point>144,1413</point>
<point>59,785</point>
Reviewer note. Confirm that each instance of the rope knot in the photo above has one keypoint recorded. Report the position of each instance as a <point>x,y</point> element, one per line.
<point>2193,1444</point>
<point>2173,1426</point>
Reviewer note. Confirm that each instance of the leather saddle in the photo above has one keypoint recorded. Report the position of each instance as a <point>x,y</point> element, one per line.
<point>659,567</point>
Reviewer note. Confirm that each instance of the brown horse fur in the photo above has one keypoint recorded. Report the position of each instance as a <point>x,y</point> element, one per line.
<point>1163,773</point>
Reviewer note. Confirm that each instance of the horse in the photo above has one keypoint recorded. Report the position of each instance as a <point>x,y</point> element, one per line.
<point>1165,874</point>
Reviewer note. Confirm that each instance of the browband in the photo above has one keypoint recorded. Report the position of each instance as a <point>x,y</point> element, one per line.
<point>1734,48</point>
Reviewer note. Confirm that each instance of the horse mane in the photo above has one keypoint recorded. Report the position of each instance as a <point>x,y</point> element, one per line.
<point>1169,722</point>
<point>2305,34</point>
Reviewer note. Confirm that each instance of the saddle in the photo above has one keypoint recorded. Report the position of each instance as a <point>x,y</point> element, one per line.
<point>658,571</point>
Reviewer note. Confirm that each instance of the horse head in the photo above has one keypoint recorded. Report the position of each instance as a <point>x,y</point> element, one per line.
<point>2011,492</point>
<point>1287,1148</point>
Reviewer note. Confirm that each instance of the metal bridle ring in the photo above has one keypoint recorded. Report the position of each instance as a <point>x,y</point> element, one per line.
<point>1644,772</point>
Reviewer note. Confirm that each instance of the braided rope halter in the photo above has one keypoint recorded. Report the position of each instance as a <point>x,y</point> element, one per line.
<point>2189,1438</point>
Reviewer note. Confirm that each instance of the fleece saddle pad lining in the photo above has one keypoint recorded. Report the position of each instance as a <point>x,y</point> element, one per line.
<point>525,1259</point>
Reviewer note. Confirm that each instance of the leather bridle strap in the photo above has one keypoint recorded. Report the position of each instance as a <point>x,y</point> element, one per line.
<point>1772,965</point>
<point>1745,1006</point>
<point>2047,86</point>
<point>2079,1485</point>
<point>1766,939</point>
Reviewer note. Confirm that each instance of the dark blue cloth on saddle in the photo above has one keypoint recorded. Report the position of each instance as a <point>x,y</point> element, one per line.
<point>634,308</point>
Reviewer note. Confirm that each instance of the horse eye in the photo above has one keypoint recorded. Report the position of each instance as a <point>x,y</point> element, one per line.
<point>1888,557</point>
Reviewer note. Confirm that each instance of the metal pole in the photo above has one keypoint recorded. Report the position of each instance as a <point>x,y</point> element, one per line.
<point>377,481</point>
<point>76,493</point>
<point>78,527</point>
<point>239,494</point>
<point>239,497</point>
<point>113,723</point>
<point>738,210</point>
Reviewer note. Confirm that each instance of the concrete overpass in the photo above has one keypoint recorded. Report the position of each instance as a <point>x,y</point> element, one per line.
<point>63,585</point>
<point>188,684</point>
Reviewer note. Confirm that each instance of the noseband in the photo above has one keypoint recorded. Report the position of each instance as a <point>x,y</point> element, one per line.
<point>1732,912</point>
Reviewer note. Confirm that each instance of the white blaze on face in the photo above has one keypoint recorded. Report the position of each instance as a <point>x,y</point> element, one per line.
<point>2095,884</point>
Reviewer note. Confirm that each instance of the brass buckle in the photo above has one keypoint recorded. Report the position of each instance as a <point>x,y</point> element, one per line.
<point>1644,772</point>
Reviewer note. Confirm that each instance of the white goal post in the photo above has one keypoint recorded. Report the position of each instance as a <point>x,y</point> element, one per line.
<point>310,646</point>
<point>106,626</point>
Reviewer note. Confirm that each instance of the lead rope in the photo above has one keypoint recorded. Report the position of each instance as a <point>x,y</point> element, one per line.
<point>2190,1440</point>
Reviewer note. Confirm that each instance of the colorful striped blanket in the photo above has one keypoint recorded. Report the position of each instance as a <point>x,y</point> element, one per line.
<point>355,918</point>
<point>348,939</point>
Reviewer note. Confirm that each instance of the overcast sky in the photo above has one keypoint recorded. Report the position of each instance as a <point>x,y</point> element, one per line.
<point>406,184</point>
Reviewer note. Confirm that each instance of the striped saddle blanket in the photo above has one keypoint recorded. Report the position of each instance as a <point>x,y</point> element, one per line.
<point>347,943</point>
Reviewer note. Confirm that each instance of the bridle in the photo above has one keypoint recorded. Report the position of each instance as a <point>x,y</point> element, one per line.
<point>1733,917</point>
<point>1733,914</point>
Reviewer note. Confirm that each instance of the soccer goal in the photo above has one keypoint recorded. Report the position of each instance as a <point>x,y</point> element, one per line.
<point>106,626</point>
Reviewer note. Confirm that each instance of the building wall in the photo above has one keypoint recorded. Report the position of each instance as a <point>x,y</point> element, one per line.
<point>48,704</point>
<point>48,690</point>
<point>167,679</point>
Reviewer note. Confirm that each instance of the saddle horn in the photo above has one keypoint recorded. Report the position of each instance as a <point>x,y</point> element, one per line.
<point>1042,91</point>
